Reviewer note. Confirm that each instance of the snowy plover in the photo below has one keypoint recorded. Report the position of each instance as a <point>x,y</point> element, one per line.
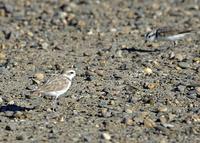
<point>167,34</point>
<point>57,85</point>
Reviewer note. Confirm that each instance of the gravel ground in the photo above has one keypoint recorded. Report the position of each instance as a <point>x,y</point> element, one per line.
<point>124,91</point>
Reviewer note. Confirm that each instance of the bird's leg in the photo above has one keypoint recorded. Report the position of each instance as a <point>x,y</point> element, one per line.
<point>174,44</point>
<point>55,103</point>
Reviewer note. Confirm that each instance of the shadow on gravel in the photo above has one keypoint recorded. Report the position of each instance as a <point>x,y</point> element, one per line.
<point>141,50</point>
<point>14,108</point>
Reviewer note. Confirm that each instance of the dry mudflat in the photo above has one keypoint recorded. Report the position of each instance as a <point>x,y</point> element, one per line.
<point>124,90</point>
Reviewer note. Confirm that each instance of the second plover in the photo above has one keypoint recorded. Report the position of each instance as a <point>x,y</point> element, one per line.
<point>167,34</point>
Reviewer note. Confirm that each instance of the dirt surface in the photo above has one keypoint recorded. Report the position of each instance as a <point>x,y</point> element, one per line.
<point>124,90</point>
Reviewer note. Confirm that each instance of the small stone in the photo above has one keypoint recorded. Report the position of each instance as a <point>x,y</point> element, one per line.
<point>11,102</point>
<point>8,113</point>
<point>181,88</point>
<point>45,45</point>
<point>162,109</point>
<point>113,30</point>
<point>196,118</point>
<point>2,56</point>
<point>168,125</point>
<point>171,55</point>
<point>119,54</point>
<point>184,65</point>
<point>8,128</point>
<point>148,71</point>
<point>39,76</point>
<point>129,111</point>
<point>163,119</point>
<point>150,85</point>
<point>1,100</point>
<point>179,57</point>
<point>20,137</point>
<point>105,112</point>
<point>129,121</point>
<point>196,88</point>
<point>18,114</point>
<point>81,24</point>
<point>106,136</point>
<point>100,72</point>
<point>196,60</point>
<point>149,123</point>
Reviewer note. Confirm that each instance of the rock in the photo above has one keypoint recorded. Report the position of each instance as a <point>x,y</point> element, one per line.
<point>149,123</point>
<point>39,76</point>
<point>11,102</point>
<point>168,125</point>
<point>106,136</point>
<point>19,137</point>
<point>150,85</point>
<point>2,56</point>
<point>181,88</point>
<point>184,65</point>
<point>10,127</point>
<point>129,111</point>
<point>105,113</point>
<point>128,121</point>
<point>119,54</point>
<point>163,119</point>
<point>1,100</point>
<point>162,109</point>
<point>44,45</point>
<point>148,71</point>
<point>196,88</point>
<point>179,57</point>
<point>81,24</point>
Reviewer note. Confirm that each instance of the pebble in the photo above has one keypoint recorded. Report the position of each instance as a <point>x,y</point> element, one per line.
<point>196,88</point>
<point>196,118</point>
<point>2,56</point>
<point>128,121</point>
<point>45,45</point>
<point>105,113</point>
<point>149,123</point>
<point>181,88</point>
<point>119,54</point>
<point>18,114</point>
<point>10,127</point>
<point>1,100</point>
<point>106,136</point>
<point>168,125</point>
<point>11,102</point>
<point>196,60</point>
<point>184,65</point>
<point>129,111</point>
<point>99,72</point>
<point>148,71</point>
<point>39,76</point>
<point>81,24</point>
<point>19,137</point>
<point>150,85</point>
<point>163,119</point>
<point>179,57</point>
<point>162,109</point>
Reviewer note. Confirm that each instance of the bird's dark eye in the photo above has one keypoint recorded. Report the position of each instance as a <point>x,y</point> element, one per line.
<point>71,72</point>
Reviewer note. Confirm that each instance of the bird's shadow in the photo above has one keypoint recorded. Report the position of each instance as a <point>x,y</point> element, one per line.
<point>14,108</point>
<point>133,49</point>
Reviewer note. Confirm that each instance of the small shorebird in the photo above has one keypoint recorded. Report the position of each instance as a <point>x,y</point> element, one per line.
<point>167,34</point>
<point>57,85</point>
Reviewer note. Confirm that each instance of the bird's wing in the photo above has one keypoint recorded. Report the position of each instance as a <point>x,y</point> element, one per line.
<point>169,31</point>
<point>55,84</point>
